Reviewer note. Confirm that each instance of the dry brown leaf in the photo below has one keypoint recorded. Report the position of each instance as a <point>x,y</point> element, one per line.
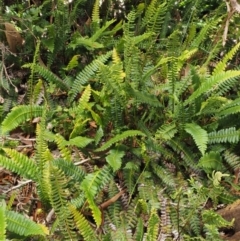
<point>14,38</point>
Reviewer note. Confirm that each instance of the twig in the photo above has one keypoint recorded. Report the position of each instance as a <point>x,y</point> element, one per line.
<point>18,186</point>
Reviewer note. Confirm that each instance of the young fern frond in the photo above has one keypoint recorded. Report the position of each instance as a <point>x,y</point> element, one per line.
<point>119,137</point>
<point>95,14</point>
<point>199,135</point>
<point>19,115</point>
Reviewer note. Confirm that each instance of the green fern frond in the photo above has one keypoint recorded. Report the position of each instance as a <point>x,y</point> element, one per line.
<point>86,42</point>
<point>230,108</point>
<point>37,95</point>
<point>186,154</point>
<point>89,71</point>
<point>62,145</point>
<point>230,135</point>
<point>79,141</point>
<point>3,220</point>
<point>166,131</point>
<point>84,98</point>
<point>232,159</point>
<point>212,83</point>
<point>82,224</point>
<point>21,225</point>
<point>73,63</point>
<point>59,201</point>
<point>20,164</point>
<point>20,114</point>
<point>211,161</point>
<point>153,226</point>
<point>91,184</point>
<point>95,12</point>
<point>163,174</point>
<point>120,137</point>
<point>101,31</point>
<point>144,97</point>
<point>199,135</point>
<point>139,233</point>
<point>69,169</point>
<point>221,66</point>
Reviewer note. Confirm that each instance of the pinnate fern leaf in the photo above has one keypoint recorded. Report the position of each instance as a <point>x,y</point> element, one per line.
<point>92,183</point>
<point>223,63</point>
<point>3,220</point>
<point>211,161</point>
<point>19,163</point>
<point>20,114</point>
<point>118,138</point>
<point>225,135</point>
<point>88,72</point>
<point>21,225</point>
<point>212,83</point>
<point>83,225</point>
<point>199,135</point>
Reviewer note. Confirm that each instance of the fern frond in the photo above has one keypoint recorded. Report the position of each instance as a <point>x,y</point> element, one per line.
<point>95,12</point>
<point>199,135</point>
<point>20,164</point>
<point>186,154</point>
<point>69,169</point>
<point>3,220</point>
<point>100,31</point>
<point>84,98</point>
<point>91,184</point>
<point>20,114</point>
<point>82,224</point>
<point>221,66</point>
<point>62,145</point>
<point>230,108</point>
<point>212,83</point>
<point>89,71</point>
<point>230,135</point>
<point>59,200</point>
<point>21,225</point>
<point>153,226</point>
<point>163,174</point>
<point>72,63</point>
<point>232,159</point>
<point>211,161</point>
<point>120,137</point>
<point>166,131</point>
